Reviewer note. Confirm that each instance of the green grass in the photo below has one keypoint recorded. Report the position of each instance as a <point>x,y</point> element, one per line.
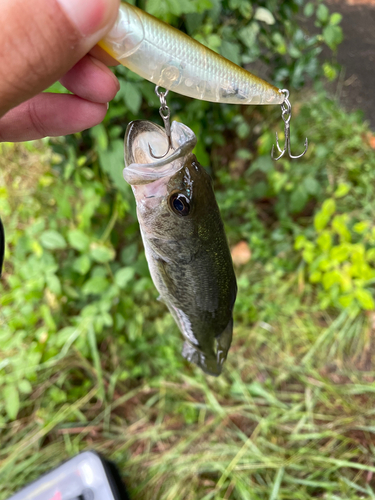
<point>292,417</point>
<point>271,427</point>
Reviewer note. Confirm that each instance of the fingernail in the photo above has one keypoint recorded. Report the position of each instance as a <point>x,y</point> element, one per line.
<point>90,16</point>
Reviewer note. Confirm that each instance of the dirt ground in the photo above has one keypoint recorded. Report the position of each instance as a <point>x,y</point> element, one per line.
<point>357,55</point>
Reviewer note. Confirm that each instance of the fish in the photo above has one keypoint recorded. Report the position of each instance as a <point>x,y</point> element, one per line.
<point>173,60</point>
<point>184,240</point>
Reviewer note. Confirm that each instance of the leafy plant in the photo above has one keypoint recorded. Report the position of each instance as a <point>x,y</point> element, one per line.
<point>90,358</point>
<point>341,257</point>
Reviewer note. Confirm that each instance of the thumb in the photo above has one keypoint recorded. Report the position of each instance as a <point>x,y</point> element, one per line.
<point>41,40</point>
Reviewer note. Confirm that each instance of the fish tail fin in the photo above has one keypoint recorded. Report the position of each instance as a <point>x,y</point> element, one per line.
<point>211,364</point>
<point>208,364</point>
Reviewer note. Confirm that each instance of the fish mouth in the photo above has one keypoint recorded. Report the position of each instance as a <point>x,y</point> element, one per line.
<point>141,136</point>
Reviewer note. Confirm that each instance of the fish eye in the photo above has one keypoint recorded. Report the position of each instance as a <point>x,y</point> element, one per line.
<point>180,204</point>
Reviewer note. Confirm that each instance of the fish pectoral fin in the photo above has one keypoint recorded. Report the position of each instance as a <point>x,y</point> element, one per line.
<point>223,342</point>
<point>169,284</point>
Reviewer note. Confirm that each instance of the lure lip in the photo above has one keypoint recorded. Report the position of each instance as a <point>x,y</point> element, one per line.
<point>135,172</point>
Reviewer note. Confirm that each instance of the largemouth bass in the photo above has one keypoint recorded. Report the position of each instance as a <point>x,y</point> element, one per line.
<point>184,240</point>
<point>173,60</point>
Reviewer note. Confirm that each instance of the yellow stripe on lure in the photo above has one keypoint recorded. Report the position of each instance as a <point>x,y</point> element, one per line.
<point>170,59</point>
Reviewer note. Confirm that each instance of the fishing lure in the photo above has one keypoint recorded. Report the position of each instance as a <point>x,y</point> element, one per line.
<point>184,240</point>
<point>173,60</point>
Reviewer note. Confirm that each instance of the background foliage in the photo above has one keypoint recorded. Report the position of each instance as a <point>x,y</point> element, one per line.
<point>90,359</point>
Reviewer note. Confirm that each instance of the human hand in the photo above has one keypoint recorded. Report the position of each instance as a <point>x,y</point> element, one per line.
<point>42,41</point>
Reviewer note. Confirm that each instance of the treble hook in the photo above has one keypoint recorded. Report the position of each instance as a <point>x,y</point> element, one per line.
<point>286,114</point>
<point>165,114</point>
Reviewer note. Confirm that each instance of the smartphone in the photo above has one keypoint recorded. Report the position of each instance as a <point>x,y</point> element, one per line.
<point>87,476</point>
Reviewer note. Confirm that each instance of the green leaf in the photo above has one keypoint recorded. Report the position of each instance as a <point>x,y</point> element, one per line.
<point>231,51</point>
<point>64,335</point>
<point>365,299</point>
<point>340,253</point>
<point>11,400</point>
<point>347,300</point>
<point>280,43</point>
<point>300,242</point>
<point>309,9</point>
<point>332,36</point>
<point>129,254</point>
<point>308,255</point>
<point>262,14</point>
<point>298,199</point>
<point>246,9</point>
<point>329,71</point>
<point>244,154</point>
<point>213,42</point>
<point>131,95</point>
<point>124,276</point>
<point>312,186</point>
<point>157,8</point>
<point>329,207</point>
<point>82,264</point>
<point>335,19</point>
<point>100,135</point>
<point>248,35</point>
<point>324,241</point>
<point>370,255</point>
<point>95,286</point>
<point>331,278</point>
<point>263,163</point>
<point>57,395</point>
<point>243,130</point>
<point>322,13</point>
<point>52,240</point>
<point>57,88</point>
<point>320,221</point>
<point>315,277</point>
<point>78,240</point>
<point>112,162</point>
<point>342,190</point>
<point>361,227</point>
<point>339,224</point>
<point>294,52</point>
<point>101,253</point>
<point>325,264</point>
<point>24,386</point>
<point>53,284</point>
<point>119,322</point>
<point>193,22</point>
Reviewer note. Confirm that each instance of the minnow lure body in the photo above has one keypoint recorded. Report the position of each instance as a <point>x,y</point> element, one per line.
<point>173,60</point>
